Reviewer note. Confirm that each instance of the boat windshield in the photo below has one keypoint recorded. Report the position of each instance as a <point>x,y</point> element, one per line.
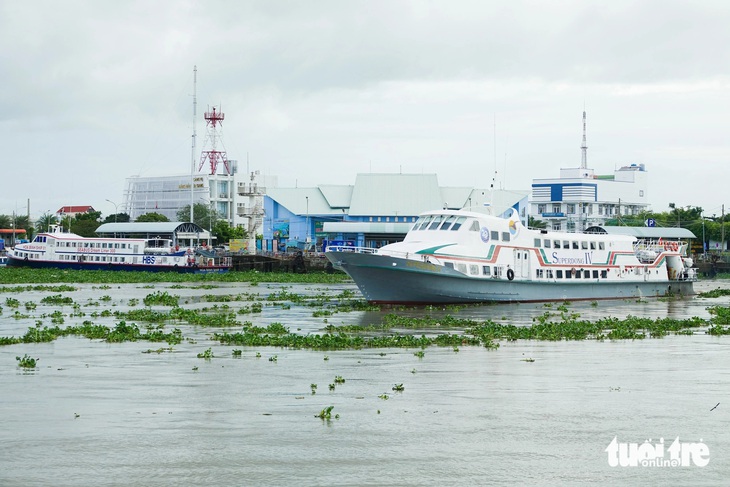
<point>447,223</point>
<point>436,222</point>
<point>425,223</point>
<point>457,224</point>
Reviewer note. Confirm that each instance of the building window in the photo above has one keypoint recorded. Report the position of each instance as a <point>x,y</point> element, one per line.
<point>541,208</point>
<point>556,207</point>
<point>571,209</point>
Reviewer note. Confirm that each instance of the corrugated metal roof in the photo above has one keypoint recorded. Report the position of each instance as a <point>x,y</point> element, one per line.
<point>648,232</point>
<point>395,194</point>
<point>337,196</point>
<point>301,200</point>
<point>150,228</point>
<point>367,227</point>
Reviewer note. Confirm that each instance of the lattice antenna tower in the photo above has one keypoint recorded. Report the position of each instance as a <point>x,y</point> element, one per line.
<point>584,146</point>
<point>214,123</point>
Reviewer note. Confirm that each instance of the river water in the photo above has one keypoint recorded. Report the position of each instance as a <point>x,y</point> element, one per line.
<point>100,414</point>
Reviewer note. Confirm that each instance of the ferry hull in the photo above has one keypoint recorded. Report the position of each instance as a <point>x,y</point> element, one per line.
<point>392,280</point>
<point>99,266</point>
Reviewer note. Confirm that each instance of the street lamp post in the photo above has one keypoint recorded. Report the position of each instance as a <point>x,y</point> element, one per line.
<point>116,211</point>
<point>306,235</point>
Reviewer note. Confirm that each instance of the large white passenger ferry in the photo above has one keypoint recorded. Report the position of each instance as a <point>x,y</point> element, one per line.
<point>466,256</point>
<point>65,250</point>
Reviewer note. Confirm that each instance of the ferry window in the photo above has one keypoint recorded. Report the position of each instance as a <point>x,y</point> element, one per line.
<point>450,265</point>
<point>485,270</point>
<point>601,245</point>
<point>568,274</point>
<point>435,223</point>
<point>425,222</point>
<point>549,273</point>
<point>415,225</point>
<point>505,236</point>
<point>559,274</point>
<point>584,245</point>
<point>604,274</point>
<point>461,268</point>
<point>539,273</point>
<point>547,244</point>
<point>593,245</point>
<point>566,244</point>
<point>457,224</point>
<point>447,223</point>
<point>498,271</point>
<point>538,242</point>
<point>575,245</point>
<point>587,274</point>
<point>97,258</point>
<point>577,274</point>
<point>124,246</point>
<point>474,226</point>
<point>556,244</point>
<point>595,274</point>
<point>495,235</point>
<point>474,270</point>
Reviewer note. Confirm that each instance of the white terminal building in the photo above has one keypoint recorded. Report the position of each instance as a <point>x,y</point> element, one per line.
<point>580,198</point>
<point>236,198</point>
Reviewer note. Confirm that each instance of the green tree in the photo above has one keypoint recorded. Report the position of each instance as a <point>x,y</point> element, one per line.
<point>535,223</point>
<point>205,217</point>
<point>94,216</point>
<point>117,218</point>
<point>152,217</point>
<point>223,232</point>
<point>43,223</point>
<point>85,227</point>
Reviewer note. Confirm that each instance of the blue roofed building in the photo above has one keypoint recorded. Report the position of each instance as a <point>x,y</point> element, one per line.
<point>378,209</point>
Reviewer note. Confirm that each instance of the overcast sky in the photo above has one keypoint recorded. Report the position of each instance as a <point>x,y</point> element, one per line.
<point>315,92</point>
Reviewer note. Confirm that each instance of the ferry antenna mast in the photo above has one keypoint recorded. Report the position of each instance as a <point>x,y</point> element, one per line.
<point>584,145</point>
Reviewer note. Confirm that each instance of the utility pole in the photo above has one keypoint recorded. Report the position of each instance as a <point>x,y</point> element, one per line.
<point>722,229</point>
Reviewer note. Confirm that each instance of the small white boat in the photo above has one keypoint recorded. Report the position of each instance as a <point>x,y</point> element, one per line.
<point>465,256</point>
<point>64,250</point>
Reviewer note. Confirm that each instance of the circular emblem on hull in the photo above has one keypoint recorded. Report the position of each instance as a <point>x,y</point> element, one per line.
<point>484,234</point>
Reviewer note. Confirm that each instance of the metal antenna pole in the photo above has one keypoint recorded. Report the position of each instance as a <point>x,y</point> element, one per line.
<point>192,163</point>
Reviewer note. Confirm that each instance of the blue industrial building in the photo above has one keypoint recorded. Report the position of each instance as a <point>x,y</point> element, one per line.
<point>378,209</point>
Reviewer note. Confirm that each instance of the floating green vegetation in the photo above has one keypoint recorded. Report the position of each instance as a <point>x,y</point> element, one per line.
<point>58,299</point>
<point>122,332</point>
<point>207,354</point>
<point>398,388</point>
<point>22,289</point>
<point>12,302</point>
<point>273,358</point>
<point>715,293</point>
<point>420,354</point>
<point>313,387</point>
<point>326,414</point>
<point>237,352</point>
<point>161,298</point>
<point>27,362</point>
<point>339,379</point>
<point>105,299</point>
<point>159,350</point>
<point>22,275</point>
<point>384,397</point>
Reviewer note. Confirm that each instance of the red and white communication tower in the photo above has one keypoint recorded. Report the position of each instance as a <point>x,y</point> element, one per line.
<point>214,121</point>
